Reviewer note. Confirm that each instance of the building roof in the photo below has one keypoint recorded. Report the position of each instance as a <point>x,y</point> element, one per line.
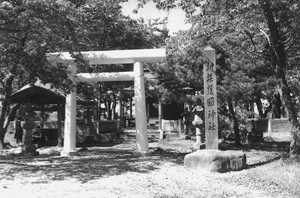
<point>42,94</point>
<point>37,95</point>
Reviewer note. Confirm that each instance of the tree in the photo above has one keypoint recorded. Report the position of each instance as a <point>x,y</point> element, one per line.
<point>280,60</point>
<point>185,64</point>
<point>31,29</point>
<point>124,33</point>
<point>184,69</point>
<point>27,31</point>
<point>277,21</point>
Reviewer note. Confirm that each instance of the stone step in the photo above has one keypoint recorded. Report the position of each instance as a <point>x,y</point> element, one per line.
<point>132,135</point>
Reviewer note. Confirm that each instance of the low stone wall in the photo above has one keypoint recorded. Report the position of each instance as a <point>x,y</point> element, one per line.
<point>107,126</point>
<point>107,131</point>
<point>171,125</point>
<point>110,126</point>
<point>257,125</point>
<point>268,125</point>
<point>171,129</point>
<point>280,126</point>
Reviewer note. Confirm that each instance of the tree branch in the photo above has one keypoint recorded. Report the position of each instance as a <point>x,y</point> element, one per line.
<point>268,38</point>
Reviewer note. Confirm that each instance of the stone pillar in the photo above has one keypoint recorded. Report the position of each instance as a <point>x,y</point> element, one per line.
<point>269,125</point>
<point>120,111</point>
<point>160,112</point>
<point>160,127</point>
<point>130,105</point>
<point>59,125</point>
<point>210,100</point>
<point>98,116</point>
<point>180,128</point>
<point>140,109</point>
<point>70,117</point>
<point>199,139</point>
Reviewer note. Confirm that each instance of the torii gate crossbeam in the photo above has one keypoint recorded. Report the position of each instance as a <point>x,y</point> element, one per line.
<point>135,57</point>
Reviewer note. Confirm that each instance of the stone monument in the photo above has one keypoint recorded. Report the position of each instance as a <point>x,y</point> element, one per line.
<point>211,158</point>
<point>210,100</point>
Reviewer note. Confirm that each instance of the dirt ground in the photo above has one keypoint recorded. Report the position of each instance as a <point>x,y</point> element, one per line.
<point>115,170</point>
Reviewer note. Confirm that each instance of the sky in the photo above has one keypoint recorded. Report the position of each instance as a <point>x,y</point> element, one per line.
<point>176,17</point>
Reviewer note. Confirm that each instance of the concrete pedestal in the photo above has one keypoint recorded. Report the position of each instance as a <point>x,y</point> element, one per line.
<point>65,153</point>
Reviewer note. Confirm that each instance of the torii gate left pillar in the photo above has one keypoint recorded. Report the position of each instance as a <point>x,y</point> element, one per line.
<point>137,58</point>
<point>70,116</point>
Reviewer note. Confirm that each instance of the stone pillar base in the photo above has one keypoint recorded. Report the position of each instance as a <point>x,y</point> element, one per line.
<point>198,146</point>
<point>141,153</point>
<point>162,134</point>
<point>68,153</point>
<point>30,150</point>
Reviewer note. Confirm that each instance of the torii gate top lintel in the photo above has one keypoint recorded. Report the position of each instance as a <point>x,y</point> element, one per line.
<point>112,57</point>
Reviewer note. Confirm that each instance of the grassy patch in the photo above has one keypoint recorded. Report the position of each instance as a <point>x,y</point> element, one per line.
<point>285,173</point>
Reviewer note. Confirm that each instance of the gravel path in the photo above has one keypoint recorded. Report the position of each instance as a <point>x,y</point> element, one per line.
<point>116,171</point>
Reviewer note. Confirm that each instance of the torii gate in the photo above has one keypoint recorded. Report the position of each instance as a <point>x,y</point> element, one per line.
<point>135,57</point>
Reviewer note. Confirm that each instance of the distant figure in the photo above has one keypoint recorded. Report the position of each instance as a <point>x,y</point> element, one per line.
<point>186,115</point>
<point>18,131</point>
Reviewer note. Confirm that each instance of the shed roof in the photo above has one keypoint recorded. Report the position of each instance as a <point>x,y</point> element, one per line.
<point>41,94</point>
<point>37,95</point>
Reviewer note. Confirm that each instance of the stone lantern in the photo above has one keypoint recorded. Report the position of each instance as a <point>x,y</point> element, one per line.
<point>28,125</point>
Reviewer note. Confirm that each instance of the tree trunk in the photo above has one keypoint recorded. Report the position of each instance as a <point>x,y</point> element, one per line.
<point>120,116</point>
<point>5,108</point>
<point>277,106</point>
<point>259,105</point>
<point>108,109</point>
<point>11,115</point>
<point>280,59</point>
<point>235,123</point>
<point>113,108</point>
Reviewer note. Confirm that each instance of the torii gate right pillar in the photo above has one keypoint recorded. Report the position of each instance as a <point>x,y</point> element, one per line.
<point>140,108</point>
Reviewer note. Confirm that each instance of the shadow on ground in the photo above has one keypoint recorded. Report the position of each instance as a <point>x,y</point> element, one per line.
<point>262,146</point>
<point>87,165</point>
<point>118,157</point>
<point>267,161</point>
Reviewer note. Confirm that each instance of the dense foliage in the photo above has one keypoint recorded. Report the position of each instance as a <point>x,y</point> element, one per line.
<point>31,29</point>
<point>257,43</point>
